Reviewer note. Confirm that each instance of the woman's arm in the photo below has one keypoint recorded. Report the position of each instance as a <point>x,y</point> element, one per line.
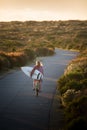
<point>33,71</point>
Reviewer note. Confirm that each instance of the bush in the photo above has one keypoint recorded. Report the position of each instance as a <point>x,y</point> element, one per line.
<point>75,76</point>
<point>68,96</point>
<point>62,81</point>
<point>83,83</point>
<point>44,51</point>
<point>12,59</point>
<point>30,53</point>
<point>4,62</point>
<point>74,85</point>
<point>70,81</point>
<point>78,107</point>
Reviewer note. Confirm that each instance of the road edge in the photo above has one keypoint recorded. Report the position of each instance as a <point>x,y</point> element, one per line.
<point>56,113</point>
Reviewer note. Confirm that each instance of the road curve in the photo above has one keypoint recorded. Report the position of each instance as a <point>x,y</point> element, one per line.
<point>20,109</point>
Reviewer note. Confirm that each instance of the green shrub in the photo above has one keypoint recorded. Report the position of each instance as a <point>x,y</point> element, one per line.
<point>63,89</point>
<point>83,83</point>
<point>62,81</point>
<point>4,62</point>
<point>78,107</point>
<point>30,53</point>
<point>72,84</point>
<point>68,96</point>
<point>18,61</point>
<point>70,81</point>
<point>75,76</point>
<point>44,51</point>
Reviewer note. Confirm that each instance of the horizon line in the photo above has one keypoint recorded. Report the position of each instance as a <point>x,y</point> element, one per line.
<point>43,20</point>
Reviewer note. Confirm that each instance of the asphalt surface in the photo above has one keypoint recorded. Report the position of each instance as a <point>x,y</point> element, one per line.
<point>20,109</point>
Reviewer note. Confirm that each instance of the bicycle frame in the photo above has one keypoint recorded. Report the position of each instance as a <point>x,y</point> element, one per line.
<point>37,86</point>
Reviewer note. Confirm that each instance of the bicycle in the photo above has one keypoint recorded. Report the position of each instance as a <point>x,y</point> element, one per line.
<point>37,87</point>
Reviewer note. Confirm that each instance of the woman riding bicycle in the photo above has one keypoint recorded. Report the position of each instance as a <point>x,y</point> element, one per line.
<point>39,67</point>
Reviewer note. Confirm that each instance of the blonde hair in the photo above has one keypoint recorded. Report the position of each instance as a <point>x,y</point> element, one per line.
<point>39,63</point>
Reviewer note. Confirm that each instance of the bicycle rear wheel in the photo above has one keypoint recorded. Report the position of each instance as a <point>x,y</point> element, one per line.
<point>37,88</point>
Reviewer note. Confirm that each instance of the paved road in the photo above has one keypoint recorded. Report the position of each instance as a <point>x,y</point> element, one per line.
<point>20,109</point>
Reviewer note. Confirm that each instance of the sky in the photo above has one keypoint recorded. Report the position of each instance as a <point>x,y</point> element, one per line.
<point>40,10</point>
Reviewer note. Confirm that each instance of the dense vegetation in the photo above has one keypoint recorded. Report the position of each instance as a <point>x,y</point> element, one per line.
<point>21,42</point>
<point>73,89</point>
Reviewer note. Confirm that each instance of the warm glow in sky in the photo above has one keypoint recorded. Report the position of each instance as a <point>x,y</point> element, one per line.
<point>40,10</point>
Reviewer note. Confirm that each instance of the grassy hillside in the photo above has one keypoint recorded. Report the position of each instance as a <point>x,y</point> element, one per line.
<point>23,41</point>
<point>64,34</point>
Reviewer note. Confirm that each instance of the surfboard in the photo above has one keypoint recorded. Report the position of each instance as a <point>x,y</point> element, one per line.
<point>36,75</point>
